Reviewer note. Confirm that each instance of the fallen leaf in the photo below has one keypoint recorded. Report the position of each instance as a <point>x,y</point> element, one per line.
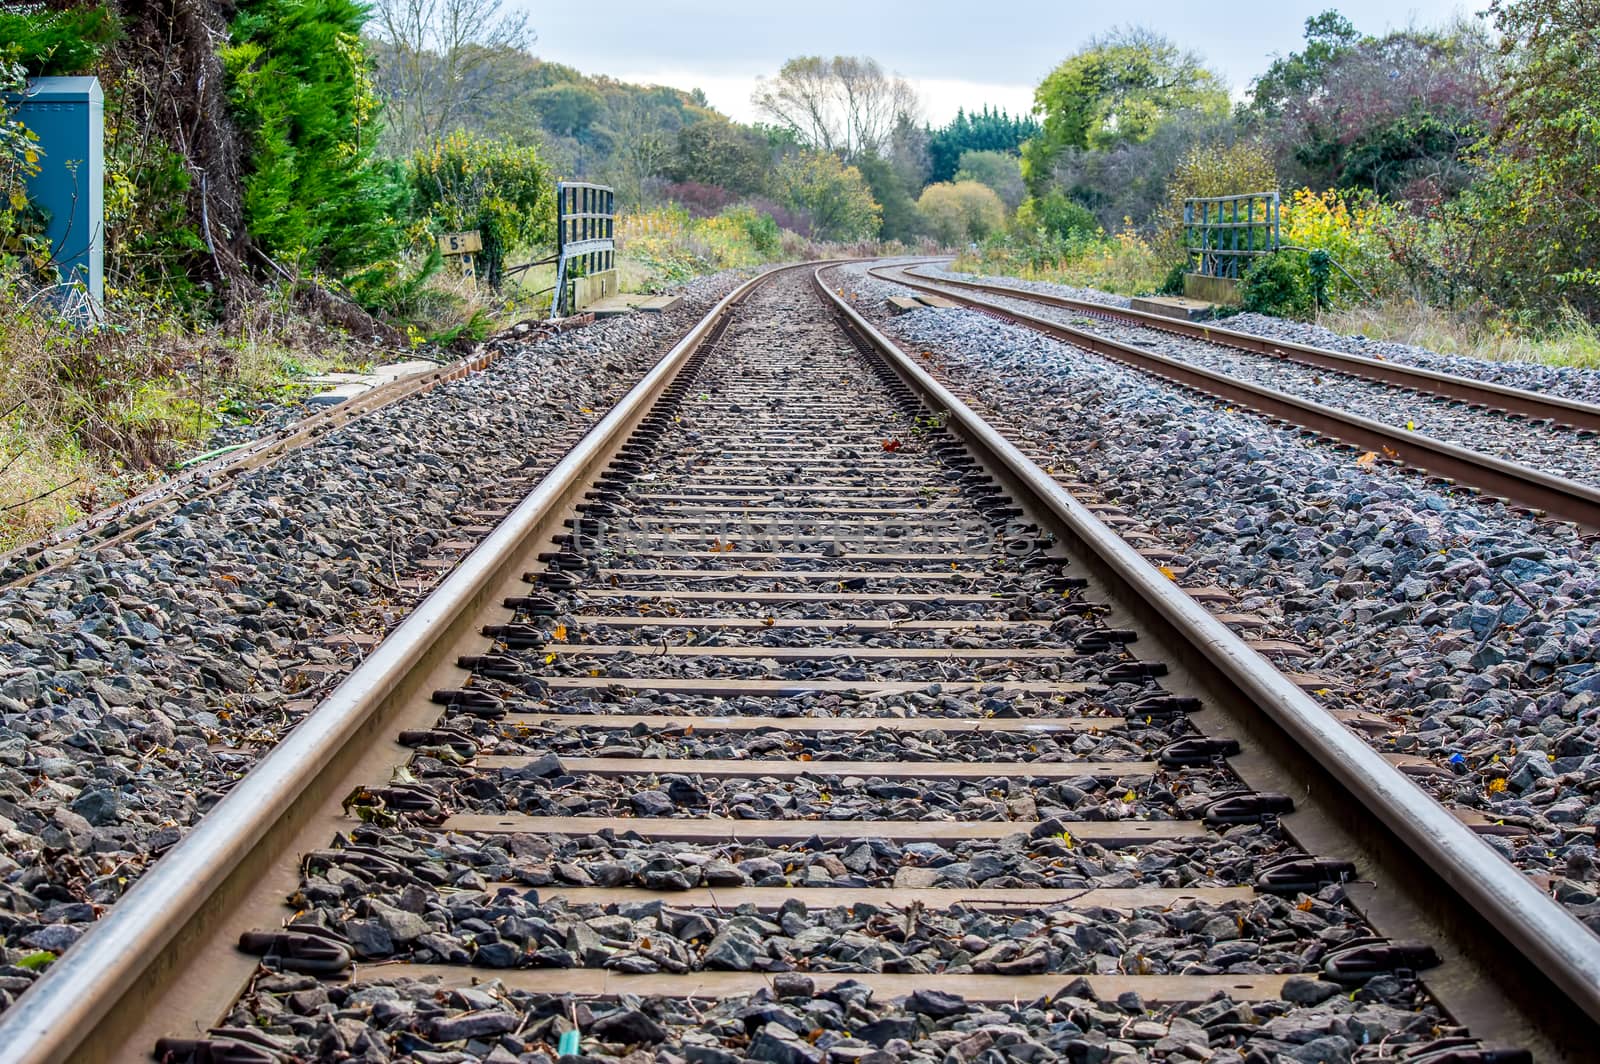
<point>1367,459</point>
<point>1168,573</point>
<point>560,634</point>
<point>891,445</point>
<point>1497,785</point>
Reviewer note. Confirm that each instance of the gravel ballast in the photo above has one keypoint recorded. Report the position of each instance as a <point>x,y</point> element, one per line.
<point>1572,382</point>
<point>496,902</point>
<point>1553,448</point>
<point>138,683</point>
<point>1472,629</point>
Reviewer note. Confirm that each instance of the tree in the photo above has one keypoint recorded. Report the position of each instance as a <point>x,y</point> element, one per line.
<point>568,108</point>
<point>715,151</point>
<point>962,211</point>
<point>1397,114</point>
<point>1128,182</point>
<point>441,58</point>
<point>997,170</point>
<point>1328,37</point>
<point>846,104</point>
<point>835,196</point>
<point>643,145</point>
<point>1538,208</point>
<point>908,152</point>
<point>314,195</point>
<point>901,220</point>
<point>1119,89</point>
<point>984,130</point>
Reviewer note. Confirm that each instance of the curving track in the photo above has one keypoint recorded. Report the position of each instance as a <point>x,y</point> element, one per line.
<point>795,663</point>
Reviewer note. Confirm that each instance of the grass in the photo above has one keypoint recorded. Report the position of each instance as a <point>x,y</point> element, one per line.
<point>88,419</point>
<point>1124,264</point>
<point>1569,342</point>
<point>1127,266</point>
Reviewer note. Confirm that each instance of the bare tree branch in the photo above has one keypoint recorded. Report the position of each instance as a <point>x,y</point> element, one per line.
<point>438,58</point>
<point>846,104</point>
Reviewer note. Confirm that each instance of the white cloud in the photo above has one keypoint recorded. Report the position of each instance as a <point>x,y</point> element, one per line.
<point>941,97</point>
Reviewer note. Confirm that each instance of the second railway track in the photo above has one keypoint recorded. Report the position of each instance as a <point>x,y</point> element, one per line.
<point>797,688</point>
<point>1549,461</point>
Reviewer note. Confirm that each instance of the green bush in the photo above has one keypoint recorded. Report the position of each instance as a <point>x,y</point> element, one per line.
<point>764,234</point>
<point>1056,215</point>
<point>1276,284</point>
<point>49,43</point>
<point>499,188</point>
<point>301,88</point>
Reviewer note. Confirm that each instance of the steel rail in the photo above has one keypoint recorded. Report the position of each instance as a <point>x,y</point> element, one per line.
<point>1574,413</point>
<point>1555,495</point>
<point>111,976</point>
<point>1553,942</point>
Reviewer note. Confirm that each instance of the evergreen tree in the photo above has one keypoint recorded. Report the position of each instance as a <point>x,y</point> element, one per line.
<point>301,88</point>
<point>987,130</point>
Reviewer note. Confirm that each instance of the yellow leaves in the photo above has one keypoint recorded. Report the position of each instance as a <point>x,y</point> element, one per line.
<point>1411,426</point>
<point>1497,785</point>
<point>1304,906</point>
<point>1367,459</point>
<point>768,622</point>
<point>30,156</point>
<point>1168,573</point>
<point>719,547</point>
<point>549,658</point>
<point>1130,797</point>
<point>560,633</point>
<point>1066,837</point>
<point>19,202</point>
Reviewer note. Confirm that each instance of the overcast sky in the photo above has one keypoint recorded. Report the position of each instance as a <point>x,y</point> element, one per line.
<point>955,52</point>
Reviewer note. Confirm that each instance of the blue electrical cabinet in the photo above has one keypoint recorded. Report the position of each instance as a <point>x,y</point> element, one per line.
<point>68,116</point>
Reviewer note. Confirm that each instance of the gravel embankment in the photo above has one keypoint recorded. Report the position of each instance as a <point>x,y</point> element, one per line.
<point>1553,448</point>
<point>137,684</point>
<point>1570,381</point>
<point>1474,630</point>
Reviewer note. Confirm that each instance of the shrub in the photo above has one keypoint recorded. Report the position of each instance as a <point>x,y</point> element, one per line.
<point>1210,170</point>
<point>700,200</point>
<point>1276,284</point>
<point>301,89</point>
<point>961,211</point>
<point>835,196</point>
<point>1056,214</point>
<point>501,189</point>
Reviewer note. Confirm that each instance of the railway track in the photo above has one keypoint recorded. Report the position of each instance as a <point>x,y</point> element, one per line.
<point>796,687</point>
<point>1521,481</point>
